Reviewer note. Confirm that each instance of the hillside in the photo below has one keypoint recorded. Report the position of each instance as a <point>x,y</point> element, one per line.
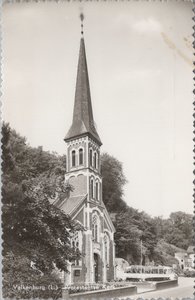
<point>164,253</point>
<point>160,237</point>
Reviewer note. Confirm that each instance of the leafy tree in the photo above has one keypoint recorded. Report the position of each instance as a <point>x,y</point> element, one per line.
<point>132,228</point>
<point>149,237</point>
<point>34,230</point>
<point>7,162</point>
<point>127,238</point>
<point>179,229</point>
<point>113,182</point>
<point>36,225</point>
<point>22,282</point>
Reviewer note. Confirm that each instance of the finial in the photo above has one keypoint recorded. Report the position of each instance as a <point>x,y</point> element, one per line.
<point>82,18</point>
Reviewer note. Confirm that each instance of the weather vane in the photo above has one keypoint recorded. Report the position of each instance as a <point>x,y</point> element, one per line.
<point>82,18</point>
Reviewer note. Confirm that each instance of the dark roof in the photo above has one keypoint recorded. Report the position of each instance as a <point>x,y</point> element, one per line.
<point>71,203</point>
<point>83,122</point>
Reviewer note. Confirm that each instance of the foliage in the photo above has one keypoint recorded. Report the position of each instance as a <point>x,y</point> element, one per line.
<point>20,281</point>
<point>113,182</point>
<point>34,230</point>
<point>132,229</point>
<point>133,226</point>
<point>127,238</point>
<point>164,253</point>
<point>176,230</point>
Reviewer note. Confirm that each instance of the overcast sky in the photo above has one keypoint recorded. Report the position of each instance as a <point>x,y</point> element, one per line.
<point>140,68</point>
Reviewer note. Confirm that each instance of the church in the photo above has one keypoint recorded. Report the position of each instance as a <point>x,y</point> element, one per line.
<point>85,203</point>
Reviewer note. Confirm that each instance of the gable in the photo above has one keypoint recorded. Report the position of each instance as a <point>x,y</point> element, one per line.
<point>79,216</point>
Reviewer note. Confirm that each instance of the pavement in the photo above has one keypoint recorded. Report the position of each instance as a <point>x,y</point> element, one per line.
<point>145,290</point>
<point>183,290</point>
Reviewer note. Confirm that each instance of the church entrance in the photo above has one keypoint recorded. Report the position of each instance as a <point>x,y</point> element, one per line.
<point>96,267</point>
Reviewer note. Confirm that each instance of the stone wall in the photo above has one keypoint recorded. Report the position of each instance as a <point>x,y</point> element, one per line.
<point>166,284</point>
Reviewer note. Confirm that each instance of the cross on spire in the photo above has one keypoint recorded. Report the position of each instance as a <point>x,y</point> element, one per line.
<point>82,18</point>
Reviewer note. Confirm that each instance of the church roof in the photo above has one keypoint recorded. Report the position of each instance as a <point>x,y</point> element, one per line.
<point>71,203</point>
<point>83,122</point>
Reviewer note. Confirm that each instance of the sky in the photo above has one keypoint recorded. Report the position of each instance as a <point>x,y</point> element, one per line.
<point>139,57</point>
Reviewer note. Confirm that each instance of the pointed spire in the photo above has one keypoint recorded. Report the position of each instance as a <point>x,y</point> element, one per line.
<point>83,122</point>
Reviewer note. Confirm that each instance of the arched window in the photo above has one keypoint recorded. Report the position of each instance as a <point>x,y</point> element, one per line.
<point>97,191</point>
<point>95,227</point>
<point>81,156</point>
<point>92,189</point>
<point>73,158</point>
<point>90,157</point>
<point>95,160</point>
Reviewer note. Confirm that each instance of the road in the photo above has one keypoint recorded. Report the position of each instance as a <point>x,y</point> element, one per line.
<point>183,290</point>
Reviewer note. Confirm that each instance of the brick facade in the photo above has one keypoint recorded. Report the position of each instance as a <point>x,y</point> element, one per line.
<point>85,202</point>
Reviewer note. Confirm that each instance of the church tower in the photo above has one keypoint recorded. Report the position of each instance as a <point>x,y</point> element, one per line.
<point>83,141</point>
<point>85,204</point>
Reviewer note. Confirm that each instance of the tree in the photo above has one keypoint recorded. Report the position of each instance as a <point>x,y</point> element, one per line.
<point>127,238</point>
<point>34,230</point>
<point>22,282</point>
<point>179,229</point>
<point>113,182</point>
<point>37,228</point>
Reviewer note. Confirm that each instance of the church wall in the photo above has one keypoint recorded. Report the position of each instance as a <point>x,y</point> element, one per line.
<point>96,204</point>
<point>86,273</point>
<point>96,179</point>
<point>95,149</point>
<point>76,145</point>
<point>80,185</point>
<point>100,269</point>
<point>78,272</point>
<point>102,223</point>
<point>90,220</point>
<point>110,271</point>
<point>105,225</point>
<point>76,275</point>
<point>88,258</point>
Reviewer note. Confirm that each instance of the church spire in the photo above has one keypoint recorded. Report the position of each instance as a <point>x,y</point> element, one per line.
<point>83,122</point>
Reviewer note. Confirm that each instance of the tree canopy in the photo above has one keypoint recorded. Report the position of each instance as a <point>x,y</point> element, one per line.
<point>34,230</point>
<point>113,183</point>
<point>176,230</point>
